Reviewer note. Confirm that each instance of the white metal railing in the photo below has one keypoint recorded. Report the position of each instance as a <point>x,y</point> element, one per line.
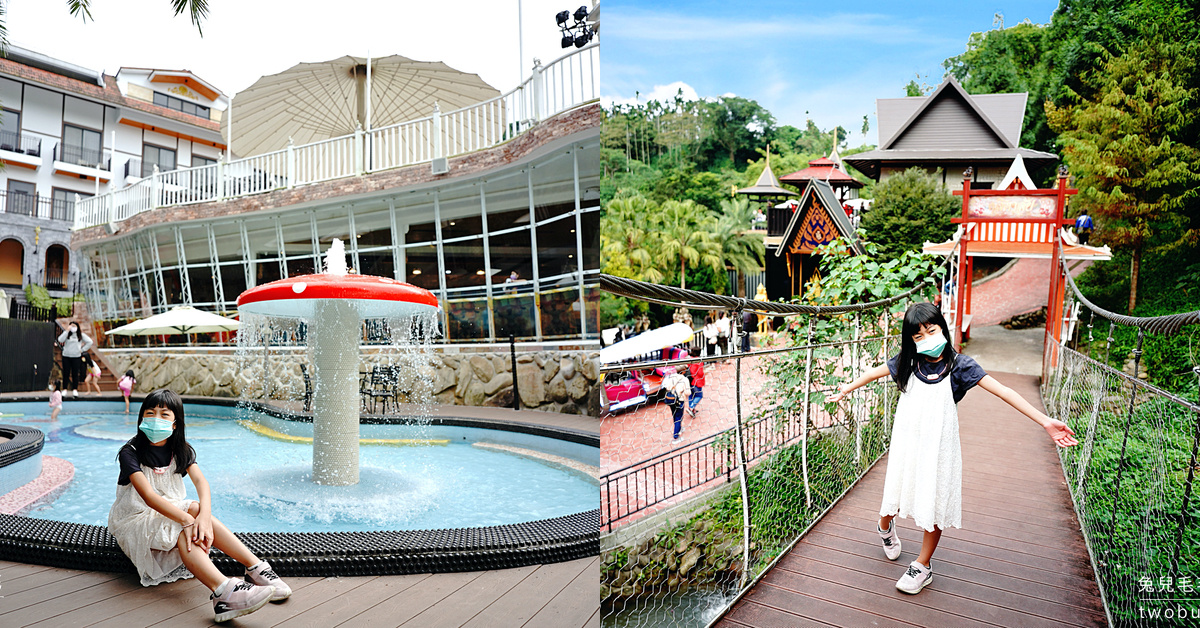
<point>568,82</point>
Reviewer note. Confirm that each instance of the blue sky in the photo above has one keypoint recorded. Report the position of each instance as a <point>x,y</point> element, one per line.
<point>830,59</point>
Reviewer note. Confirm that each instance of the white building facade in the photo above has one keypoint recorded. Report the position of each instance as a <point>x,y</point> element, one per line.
<point>69,133</point>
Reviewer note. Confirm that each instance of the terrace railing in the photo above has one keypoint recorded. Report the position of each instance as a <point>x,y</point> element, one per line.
<point>34,205</point>
<point>568,82</point>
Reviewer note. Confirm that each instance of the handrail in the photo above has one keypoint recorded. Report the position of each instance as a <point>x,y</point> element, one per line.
<point>1166,324</point>
<point>565,83</point>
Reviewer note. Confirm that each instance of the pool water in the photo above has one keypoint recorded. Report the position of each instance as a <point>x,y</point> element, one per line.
<point>261,484</point>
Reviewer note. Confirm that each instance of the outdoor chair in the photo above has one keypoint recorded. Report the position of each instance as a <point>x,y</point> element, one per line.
<point>382,388</point>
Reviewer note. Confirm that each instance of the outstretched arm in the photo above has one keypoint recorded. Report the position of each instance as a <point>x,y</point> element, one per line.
<point>863,380</point>
<point>1063,435</point>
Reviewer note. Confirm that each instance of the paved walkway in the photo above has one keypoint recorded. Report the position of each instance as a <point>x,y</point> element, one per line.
<point>1023,288</point>
<point>1019,559</point>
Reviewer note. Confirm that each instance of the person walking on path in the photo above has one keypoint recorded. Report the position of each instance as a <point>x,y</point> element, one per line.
<point>723,331</point>
<point>1083,227</point>
<point>696,374</point>
<point>924,470</point>
<point>748,321</point>
<point>710,335</point>
<point>75,345</point>
<point>676,394</point>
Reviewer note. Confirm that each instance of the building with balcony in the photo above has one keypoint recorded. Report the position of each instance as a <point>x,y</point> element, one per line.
<point>69,133</point>
<point>491,203</point>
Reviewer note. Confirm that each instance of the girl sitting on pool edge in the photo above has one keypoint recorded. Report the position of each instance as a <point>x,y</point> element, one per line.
<point>168,537</point>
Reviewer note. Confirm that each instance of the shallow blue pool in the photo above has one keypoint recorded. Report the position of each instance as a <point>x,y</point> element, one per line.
<point>260,484</point>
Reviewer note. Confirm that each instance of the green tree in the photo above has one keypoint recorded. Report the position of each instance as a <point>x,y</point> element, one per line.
<point>1123,145</point>
<point>688,235</point>
<point>741,250</point>
<point>738,125</point>
<point>910,208</point>
<point>629,238</point>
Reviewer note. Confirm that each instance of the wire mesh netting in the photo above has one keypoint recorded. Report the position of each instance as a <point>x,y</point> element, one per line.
<point>760,455</point>
<point>1131,479</point>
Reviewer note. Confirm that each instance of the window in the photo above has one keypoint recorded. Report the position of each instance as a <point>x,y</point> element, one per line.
<point>178,104</point>
<point>22,197</point>
<point>10,130</point>
<point>199,161</point>
<point>62,203</point>
<point>80,146</point>
<point>153,155</point>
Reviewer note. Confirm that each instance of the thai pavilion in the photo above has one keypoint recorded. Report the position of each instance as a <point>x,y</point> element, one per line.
<point>950,130</point>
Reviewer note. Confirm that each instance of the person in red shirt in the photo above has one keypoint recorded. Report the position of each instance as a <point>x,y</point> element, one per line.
<point>696,371</point>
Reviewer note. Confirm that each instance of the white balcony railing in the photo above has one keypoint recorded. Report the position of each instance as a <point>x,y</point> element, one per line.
<point>568,82</point>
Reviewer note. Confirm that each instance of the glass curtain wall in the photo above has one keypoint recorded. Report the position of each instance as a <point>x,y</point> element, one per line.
<point>515,256</point>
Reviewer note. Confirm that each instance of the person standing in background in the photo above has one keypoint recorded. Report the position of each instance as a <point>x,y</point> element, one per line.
<point>75,345</point>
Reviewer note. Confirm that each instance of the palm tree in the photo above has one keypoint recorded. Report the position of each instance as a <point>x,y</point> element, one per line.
<point>628,236</point>
<point>740,250</point>
<point>197,9</point>
<point>688,232</point>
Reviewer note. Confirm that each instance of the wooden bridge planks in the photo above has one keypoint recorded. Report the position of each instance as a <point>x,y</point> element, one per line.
<point>1019,559</point>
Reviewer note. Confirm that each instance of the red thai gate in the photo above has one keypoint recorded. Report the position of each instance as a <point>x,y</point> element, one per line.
<point>1014,222</point>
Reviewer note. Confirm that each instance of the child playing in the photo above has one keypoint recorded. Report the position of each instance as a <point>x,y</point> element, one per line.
<point>696,370</point>
<point>93,375</point>
<point>55,399</point>
<point>167,536</point>
<point>125,385</point>
<point>924,470</point>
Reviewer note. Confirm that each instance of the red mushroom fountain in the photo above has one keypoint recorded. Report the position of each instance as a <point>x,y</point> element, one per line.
<point>334,303</point>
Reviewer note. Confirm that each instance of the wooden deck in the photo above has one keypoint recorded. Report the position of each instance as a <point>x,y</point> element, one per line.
<point>1019,559</point>
<point>563,595</point>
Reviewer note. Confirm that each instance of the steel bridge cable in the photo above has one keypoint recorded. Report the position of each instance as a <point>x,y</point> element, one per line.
<point>1168,324</point>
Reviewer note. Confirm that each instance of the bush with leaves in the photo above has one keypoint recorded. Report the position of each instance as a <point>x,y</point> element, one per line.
<point>910,208</point>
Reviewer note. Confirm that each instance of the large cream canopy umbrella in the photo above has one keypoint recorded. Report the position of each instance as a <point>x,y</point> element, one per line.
<point>317,101</point>
<point>183,319</point>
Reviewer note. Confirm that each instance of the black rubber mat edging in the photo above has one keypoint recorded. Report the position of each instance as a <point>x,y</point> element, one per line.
<point>328,554</point>
<point>23,442</point>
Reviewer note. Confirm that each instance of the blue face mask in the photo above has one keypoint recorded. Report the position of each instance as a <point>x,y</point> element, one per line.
<point>156,429</point>
<point>932,346</point>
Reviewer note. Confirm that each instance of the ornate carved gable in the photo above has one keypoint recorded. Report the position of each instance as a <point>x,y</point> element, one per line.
<point>816,228</point>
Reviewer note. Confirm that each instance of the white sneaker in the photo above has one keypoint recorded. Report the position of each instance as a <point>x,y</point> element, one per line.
<point>915,578</point>
<point>262,574</point>
<point>240,598</point>
<point>891,541</point>
<point>74,393</point>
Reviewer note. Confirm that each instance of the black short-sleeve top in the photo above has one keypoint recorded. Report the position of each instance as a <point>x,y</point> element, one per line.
<point>965,373</point>
<point>153,456</point>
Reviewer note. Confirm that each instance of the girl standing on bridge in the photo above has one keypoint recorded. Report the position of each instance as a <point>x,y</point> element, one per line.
<point>924,470</point>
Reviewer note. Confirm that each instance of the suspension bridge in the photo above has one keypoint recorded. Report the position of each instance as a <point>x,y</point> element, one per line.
<point>764,513</point>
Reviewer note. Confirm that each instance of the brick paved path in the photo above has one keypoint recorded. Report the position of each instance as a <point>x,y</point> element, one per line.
<point>1023,288</point>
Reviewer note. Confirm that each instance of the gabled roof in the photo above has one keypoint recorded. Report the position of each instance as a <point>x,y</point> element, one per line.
<point>818,196</point>
<point>950,113</point>
<point>1017,172</point>
<point>824,169</point>
<point>767,185</point>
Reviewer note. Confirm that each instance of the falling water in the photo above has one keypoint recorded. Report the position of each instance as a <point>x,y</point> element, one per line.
<point>269,354</point>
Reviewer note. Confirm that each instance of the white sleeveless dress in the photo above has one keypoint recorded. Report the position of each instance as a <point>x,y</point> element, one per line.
<point>144,534</point>
<point>924,470</point>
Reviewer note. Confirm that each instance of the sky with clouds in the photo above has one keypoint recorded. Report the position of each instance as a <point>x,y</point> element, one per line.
<point>246,39</point>
<point>824,60</point>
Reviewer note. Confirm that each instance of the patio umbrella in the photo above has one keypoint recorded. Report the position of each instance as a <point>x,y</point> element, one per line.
<point>310,102</point>
<point>183,319</point>
<point>645,342</point>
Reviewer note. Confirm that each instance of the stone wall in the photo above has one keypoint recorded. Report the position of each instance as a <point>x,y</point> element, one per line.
<point>552,381</point>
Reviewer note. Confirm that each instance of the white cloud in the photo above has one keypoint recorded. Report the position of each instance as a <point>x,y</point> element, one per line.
<point>662,93</point>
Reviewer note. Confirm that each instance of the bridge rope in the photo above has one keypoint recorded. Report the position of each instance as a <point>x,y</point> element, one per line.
<point>1167,324</point>
<point>694,299</point>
